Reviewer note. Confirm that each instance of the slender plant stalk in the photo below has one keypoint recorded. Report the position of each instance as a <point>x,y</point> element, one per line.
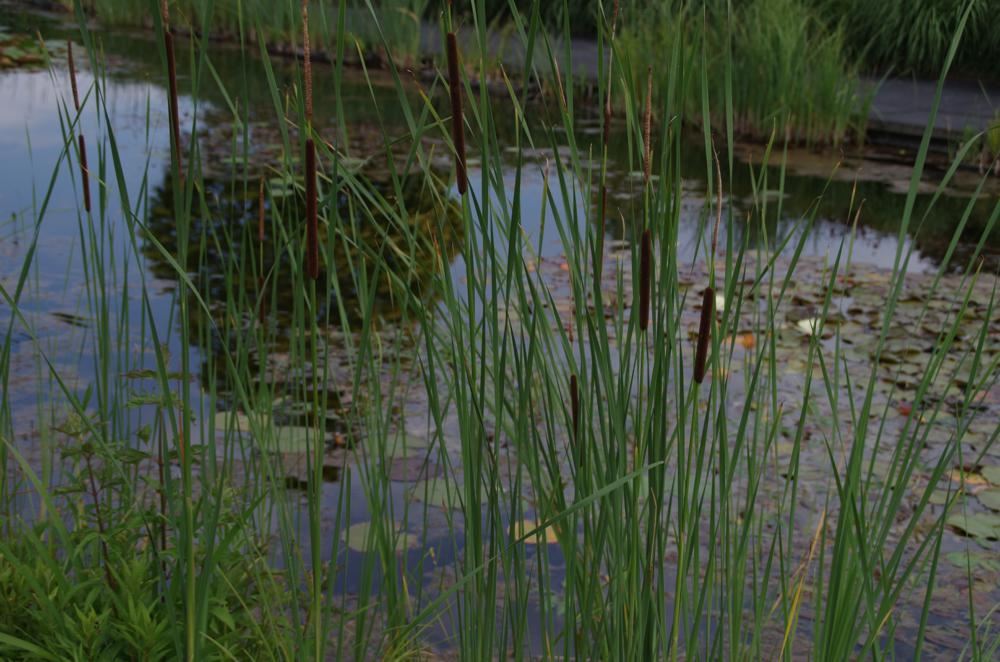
<point>645,277</point>
<point>312,222</point>
<point>457,117</point>
<point>647,128</point>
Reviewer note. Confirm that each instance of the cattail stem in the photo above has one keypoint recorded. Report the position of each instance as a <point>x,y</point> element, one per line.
<point>704,333</point>
<point>457,120</point>
<point>574,406</point>
<point>307,62</point>
<point>645,276</point>
<point>611,56</point>
<point>647,128</point>
<point>312,230</point>
<point>261,300</point>
<point>175,122</point>
<point>260,214</point>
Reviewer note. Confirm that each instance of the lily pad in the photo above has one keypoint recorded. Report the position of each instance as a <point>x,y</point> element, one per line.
<point>982,526</point>
<point>413,468</point>
<point>992,475</point>
<point>977,560</point>
<point>280,438</point>
<point>548,534</point>
<point>359,539</point>
<point>990,498</point>
<point>442,492</point>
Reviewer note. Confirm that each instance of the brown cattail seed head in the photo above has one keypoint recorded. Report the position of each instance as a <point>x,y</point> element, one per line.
<point>312,230</point>
<point>457,123</point>
<point>645,276</point>
<point>84,174</point>
<point>704,333</point>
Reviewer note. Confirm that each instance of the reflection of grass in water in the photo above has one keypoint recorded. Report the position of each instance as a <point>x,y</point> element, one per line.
<point>690,519</point>
<point>230,212</point>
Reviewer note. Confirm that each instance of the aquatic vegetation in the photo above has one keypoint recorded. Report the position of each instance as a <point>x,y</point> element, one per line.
<point>915,35</point>
<point>20,50</point>
<point>440,437</point>
<point>785,71</point>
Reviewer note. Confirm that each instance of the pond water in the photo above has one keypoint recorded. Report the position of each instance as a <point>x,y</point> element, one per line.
<point>55,299</point>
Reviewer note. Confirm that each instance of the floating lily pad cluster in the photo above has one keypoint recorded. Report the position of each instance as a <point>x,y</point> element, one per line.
<point>20,51</point>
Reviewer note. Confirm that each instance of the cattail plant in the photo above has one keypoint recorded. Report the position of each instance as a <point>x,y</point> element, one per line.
<point>84,170</point>
<point>175,122</point>
<point>704,333</point>
<point>457,123</point>
<point>645,276</point>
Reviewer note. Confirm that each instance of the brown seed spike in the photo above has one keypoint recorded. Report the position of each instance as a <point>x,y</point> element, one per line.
<point>84,174</point>
<point>175,123</point>
<point>704,334</point>
<point>645,276</point>
<point>312,233</point>
<point>457,123</point>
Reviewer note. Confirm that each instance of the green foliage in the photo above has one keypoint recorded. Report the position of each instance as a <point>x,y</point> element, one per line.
<point>914,35</point>
<point>788,72</point>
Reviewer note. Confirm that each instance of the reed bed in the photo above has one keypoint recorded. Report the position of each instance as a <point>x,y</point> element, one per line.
<point>504,456</point>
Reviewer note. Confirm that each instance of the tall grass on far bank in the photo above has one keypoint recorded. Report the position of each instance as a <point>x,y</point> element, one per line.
<point>774,67</point>
<point>575,459</point>
<point>913,36</point>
